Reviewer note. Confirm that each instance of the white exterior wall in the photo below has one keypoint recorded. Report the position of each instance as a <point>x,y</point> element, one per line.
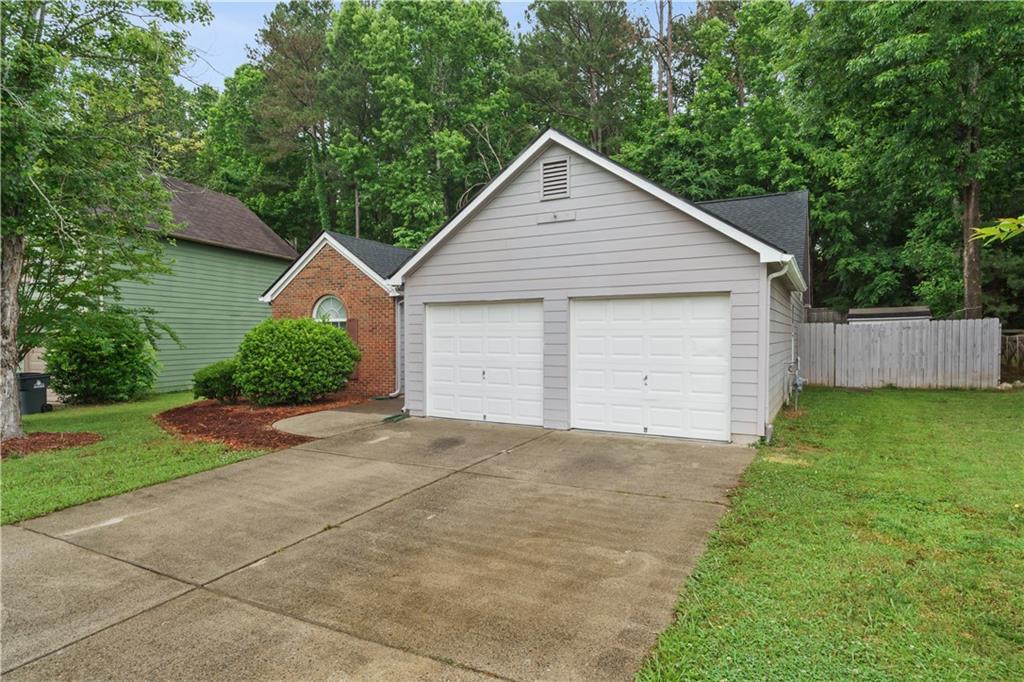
<point>786,310</point>
<point>621,242</point>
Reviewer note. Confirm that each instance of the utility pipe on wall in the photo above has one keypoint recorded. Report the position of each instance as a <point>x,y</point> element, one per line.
<point>766,366</point>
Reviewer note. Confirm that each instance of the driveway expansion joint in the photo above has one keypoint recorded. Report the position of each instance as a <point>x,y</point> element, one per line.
<point>62,647</point>
<point>148,569</point>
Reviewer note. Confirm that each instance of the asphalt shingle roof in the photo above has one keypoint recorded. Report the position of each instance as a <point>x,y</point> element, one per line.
<point>383,259</point>
<point>213,218</point>
<point>781,220</point>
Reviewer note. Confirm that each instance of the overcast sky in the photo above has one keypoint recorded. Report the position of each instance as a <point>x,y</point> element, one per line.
<point>220,46</point>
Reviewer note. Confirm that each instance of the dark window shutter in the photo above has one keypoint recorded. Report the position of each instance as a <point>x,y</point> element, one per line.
<point>352,327</point>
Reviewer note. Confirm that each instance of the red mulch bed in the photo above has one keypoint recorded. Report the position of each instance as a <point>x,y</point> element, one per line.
<point>243,425</point>
<point>46,440</point>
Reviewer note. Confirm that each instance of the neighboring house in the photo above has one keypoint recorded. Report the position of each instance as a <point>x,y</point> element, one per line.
<point>573,293</point>
<point>343,280</point>
<point>221,259</point>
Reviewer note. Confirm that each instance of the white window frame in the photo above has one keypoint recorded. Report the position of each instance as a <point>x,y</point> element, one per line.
<point>340,323</point>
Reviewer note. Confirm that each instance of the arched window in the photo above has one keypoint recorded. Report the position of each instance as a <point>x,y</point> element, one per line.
<point>331,310</point>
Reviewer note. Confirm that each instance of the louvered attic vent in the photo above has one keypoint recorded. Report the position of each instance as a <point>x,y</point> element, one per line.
<point>554,179</point>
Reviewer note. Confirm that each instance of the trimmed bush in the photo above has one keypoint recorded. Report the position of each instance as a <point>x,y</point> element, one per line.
<point>106,357</point>
<point>218,381</point>
<point>294,361</point>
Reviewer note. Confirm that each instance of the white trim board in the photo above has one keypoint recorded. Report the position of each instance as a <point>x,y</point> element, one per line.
<point>310,253</point>
<point>767,253</point>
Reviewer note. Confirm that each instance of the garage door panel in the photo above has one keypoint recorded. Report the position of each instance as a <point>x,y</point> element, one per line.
<point>708,423</point>
<point>627,347</point>
<point>667,309</point>
<point>468,374</point>
<point>681,344</point>
<point>626,417</point>
<point>530,346</point>
<point>469,314</point>
<point>590,379</point>
<point>591,347</point>
<point>707,385</point>
<point>485,362</point>
<point>622,310</point>
<point>666,382</point>
<point>500,345</point>
<point>667,347</point>
<point>626,380</point>
<point>706,308</point>
<point>529,378</point>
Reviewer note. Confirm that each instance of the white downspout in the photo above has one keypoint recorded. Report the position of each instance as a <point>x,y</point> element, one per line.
<point>766,348</point>
<point>399,348</point>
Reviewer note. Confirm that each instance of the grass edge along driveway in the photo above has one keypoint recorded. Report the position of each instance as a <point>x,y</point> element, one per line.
<point>880,537</point>
<point>135,452</point>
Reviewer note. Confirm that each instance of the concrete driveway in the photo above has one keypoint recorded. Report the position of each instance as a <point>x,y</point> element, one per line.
<point>424,549</point>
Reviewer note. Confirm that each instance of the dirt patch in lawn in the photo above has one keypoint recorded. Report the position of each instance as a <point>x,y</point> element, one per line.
<point>244,425</point>
<point>47,440</point>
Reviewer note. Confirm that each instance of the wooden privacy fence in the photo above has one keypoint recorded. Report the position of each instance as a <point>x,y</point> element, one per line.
<point>919,354</point>
<point>1013,351</point>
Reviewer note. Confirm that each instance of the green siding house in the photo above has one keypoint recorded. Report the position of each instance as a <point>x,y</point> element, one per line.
<point>210,300</point>
<point>222,259</point>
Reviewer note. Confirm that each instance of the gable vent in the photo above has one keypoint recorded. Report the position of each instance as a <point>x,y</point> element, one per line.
<point>554,179</point>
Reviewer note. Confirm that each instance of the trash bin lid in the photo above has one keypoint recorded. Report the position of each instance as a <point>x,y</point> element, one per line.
<point>30,380</point>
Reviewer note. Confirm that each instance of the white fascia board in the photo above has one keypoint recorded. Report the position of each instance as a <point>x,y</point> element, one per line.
<point>767,254</point>
<point>316,247</point>
<point>793,274</point>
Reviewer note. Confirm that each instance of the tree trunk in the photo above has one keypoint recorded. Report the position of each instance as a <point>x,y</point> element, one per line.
<point>970,220</point>
<point>321,187</point>
<point>355,193</point>
<point>12,257</point>
<point>668,64</point>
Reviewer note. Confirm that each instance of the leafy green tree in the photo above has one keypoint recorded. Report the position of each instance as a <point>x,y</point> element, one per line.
<point>234,158</point>
<point>79,191</point>
<point>439,118</point>
<point>178,134</point>
<point>1003,230</point>
<point>586,67</point>
<point>923,102</point>
<point>291,52</point>
<point>731,136</point>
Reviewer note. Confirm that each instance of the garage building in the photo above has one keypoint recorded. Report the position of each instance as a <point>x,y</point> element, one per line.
<point>573,293</point>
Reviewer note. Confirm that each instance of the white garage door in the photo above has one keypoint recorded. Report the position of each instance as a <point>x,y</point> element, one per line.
<point>485,361</point>
<point>655,365</point>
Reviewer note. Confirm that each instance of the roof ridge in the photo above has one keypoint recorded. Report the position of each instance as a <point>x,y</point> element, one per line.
<point>753,196</point>
<point>371,241</point>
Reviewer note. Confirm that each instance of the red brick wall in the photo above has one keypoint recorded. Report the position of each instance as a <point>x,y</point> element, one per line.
<point>373,310</point>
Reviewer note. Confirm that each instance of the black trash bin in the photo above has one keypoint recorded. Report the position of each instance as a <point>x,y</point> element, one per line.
<point>33,391</point>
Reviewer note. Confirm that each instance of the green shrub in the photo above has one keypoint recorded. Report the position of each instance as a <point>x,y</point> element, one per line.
<point>294,361</point>
<point>217,381</point>
<point>106,357</point>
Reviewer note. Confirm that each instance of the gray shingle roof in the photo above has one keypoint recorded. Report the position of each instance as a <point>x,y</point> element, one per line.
<point>383,259</point>
<point>781,220</point>
<point>210,217</point>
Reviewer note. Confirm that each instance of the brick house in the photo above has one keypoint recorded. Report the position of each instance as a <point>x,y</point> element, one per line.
<point>342,280</point>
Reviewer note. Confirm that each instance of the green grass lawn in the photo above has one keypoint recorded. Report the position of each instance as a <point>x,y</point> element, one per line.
<point>134,453</point>
<point>880,537</point>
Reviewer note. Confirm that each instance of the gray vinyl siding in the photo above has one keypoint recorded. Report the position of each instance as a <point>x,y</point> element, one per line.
<point>622,242</point>
<point>785,309</point>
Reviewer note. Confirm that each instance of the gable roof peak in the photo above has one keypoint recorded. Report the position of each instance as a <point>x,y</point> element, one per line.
<point>768,253</point>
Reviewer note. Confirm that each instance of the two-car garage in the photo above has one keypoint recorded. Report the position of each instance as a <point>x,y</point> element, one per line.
<point>571,293</point>
<point>655,365</point>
